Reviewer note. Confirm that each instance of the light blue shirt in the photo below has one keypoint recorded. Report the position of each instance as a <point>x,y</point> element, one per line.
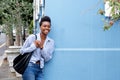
<point>46,52</point>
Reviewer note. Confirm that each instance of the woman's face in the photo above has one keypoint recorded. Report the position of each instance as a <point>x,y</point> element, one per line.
<point>45,27</point>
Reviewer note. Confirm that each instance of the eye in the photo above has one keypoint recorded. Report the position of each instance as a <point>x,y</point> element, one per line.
<point>47,26</point>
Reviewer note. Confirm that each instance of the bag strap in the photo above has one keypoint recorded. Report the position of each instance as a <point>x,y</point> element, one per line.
<point>35,39</point>
<point>35,36</point>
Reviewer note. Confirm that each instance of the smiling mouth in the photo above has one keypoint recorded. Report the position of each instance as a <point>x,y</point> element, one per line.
<point>46,31</point>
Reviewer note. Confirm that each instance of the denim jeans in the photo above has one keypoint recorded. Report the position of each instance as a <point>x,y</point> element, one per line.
<point>33,72</point>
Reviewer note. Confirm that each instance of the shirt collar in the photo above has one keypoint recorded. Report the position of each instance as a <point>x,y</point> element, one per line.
<point>46,40</point>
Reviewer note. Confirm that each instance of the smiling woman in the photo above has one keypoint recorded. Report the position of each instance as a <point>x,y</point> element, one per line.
<point>42,49</point>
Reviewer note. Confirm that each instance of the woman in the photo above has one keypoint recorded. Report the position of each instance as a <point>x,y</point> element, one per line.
<point>42,49</point>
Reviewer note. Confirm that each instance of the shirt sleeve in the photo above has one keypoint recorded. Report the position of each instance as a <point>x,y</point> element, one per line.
<point>47,51</point>
<point>28,46</point>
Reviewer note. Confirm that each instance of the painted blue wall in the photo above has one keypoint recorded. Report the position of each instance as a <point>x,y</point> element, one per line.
<point>76,25</point>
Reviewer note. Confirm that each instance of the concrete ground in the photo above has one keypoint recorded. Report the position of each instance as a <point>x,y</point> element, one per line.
<point>5,73</point>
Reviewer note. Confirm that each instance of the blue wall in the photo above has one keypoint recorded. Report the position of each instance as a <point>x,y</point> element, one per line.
<point>94,53</point>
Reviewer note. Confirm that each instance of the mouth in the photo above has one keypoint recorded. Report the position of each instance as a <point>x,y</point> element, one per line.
<point>46,31</point>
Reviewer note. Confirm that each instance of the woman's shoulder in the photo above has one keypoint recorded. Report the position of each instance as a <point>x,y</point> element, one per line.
<point>31,36</point>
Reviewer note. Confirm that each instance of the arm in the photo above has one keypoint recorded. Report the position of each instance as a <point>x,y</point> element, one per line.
<point>47,51</point>
<point>28,45</point>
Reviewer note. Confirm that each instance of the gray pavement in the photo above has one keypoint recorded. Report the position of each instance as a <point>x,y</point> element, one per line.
<point>2,43</point>
<point>5,73</point>
<point>2,47</point>
<point>2,38</point>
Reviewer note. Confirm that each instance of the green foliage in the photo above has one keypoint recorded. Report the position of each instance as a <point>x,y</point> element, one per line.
<point>100,11</point>
<point>107,26</point>
<point>17,12</point>
<point>115,13</point>
<point>115,4</point>
<point>30,29</point>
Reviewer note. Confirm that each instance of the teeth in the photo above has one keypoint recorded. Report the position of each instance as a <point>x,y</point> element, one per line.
<point>46,31</point>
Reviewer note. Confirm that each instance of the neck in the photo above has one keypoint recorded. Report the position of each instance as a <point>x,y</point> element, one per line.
<point>43,37</point>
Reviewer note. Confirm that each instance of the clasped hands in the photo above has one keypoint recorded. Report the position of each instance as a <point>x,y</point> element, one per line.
<point>39,44</point>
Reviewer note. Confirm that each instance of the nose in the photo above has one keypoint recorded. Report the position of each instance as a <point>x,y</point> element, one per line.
<point>47,28</point>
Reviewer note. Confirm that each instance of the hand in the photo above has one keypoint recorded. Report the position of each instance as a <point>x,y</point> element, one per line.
<point>37,43</point>
<point>41,44</point>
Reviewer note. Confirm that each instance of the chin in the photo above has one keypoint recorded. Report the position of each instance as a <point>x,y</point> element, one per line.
<point>45,34</point>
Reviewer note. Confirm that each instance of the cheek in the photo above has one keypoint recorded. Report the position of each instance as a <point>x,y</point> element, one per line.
<point>41,28</point>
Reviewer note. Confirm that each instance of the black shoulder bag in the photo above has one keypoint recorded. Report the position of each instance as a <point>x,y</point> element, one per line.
<point>20,62</point>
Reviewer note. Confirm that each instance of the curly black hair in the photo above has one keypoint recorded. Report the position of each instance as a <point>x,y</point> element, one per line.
<point>45,18</point>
